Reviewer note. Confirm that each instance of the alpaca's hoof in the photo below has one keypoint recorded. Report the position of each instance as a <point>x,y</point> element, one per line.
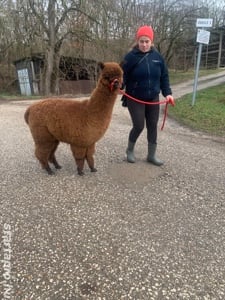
<point>58,167</point>
<point>49,171</point>
<point>80,172</point>
<point>93,170</point>
<point>56,164</point>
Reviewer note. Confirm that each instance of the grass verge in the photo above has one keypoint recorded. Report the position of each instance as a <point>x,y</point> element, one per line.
<point>180,76</point>
<point>208,113</point>
<point>4,96</point>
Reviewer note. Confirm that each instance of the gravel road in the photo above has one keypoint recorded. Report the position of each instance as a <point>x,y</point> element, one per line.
<point>129,231</point>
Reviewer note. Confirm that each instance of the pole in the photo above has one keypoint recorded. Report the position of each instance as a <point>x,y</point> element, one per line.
<point>220,49</point>
<point>196,73</point>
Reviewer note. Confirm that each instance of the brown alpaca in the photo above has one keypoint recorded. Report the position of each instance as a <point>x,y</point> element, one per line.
<point>78,123</point>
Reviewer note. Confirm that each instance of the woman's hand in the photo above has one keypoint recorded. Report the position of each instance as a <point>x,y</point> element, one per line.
<point>170,100</point>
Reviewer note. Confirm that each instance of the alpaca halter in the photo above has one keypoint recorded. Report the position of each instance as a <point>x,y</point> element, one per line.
<point>112,84</point>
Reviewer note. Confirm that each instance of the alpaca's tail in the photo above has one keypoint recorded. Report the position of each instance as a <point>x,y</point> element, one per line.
<point>26,115</point>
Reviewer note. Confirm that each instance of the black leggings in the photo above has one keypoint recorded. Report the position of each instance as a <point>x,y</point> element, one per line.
<point>139,113</point>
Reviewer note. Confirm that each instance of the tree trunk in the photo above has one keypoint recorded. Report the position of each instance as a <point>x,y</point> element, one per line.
<point>50,53</point>
<point>56,74</point>
<point>49,62</point>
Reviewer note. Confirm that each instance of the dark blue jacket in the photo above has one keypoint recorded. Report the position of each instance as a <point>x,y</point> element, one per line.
<point>146,79</point>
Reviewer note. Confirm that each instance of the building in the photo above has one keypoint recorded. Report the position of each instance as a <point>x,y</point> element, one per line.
<point>77,76</point>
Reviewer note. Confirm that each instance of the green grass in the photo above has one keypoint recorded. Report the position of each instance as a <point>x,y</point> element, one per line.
<point>207,114</point>
<point>8,96</point>
<point>180,76</point>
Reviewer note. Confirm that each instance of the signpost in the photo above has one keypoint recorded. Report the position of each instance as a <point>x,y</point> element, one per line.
<point>202,38</point>
<point>204,23</point>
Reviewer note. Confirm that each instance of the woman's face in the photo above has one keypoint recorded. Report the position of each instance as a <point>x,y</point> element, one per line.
<point>144,43</point>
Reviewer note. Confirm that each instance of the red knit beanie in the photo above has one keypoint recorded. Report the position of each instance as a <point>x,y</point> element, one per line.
<point>145,31</point>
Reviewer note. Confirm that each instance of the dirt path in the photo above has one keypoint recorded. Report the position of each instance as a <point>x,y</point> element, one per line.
<point>129,231</point>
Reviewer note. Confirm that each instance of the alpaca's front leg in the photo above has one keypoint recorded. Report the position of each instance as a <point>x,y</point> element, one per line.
<point>90,158</point>
<point>79,156</point>
<point>80,166</point>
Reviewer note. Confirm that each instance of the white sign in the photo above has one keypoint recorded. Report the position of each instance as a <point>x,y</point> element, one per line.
<point>203,36</point>
<point>204,22</point>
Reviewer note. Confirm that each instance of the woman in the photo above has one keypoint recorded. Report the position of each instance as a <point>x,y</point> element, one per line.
<point>145,75</point>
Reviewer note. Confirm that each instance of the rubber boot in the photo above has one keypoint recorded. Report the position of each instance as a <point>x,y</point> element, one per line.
<point>130,152</point>
<point>151,155</point>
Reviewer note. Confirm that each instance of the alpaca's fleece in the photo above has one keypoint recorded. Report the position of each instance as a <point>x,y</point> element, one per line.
<point>80,123</point>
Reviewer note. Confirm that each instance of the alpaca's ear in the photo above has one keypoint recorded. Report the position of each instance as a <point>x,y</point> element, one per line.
<point>121,63</point>
<point>101,65</point>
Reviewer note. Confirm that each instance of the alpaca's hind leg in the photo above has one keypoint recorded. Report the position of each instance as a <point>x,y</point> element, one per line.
<point>90,158</point>
<point>52,158</point>
<point>79,156</point>
<point>42,152</point>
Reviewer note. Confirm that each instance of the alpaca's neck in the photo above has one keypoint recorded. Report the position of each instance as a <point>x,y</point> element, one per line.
<point>102,99</point>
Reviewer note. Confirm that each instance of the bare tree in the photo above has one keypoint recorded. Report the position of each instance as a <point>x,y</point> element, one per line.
<point>98,29</point>
<point>54,18</point>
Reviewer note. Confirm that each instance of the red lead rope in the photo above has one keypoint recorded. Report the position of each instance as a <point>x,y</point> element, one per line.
<point>150,103</point>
